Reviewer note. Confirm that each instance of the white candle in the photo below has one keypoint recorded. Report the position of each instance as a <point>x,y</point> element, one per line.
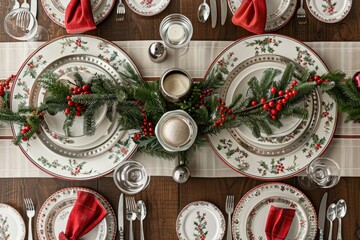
<point>176,33</point>
<point>175,132</point>
<point>176,84</point>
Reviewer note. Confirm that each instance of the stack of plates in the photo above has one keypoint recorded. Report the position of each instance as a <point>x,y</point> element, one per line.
<point>77,156</point>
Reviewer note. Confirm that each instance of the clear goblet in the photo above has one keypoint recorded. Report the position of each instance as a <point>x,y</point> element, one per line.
<point>320,173</point>
<point>20,24</point>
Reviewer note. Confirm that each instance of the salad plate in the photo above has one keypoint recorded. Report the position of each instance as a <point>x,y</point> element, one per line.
<point>79,157</point>
<point>200,220</point>
<point>250,214</point>
<point>12,225</point>
<point>255,159</point>
<point>55,10</point>
<point>279,12</point>
<point>147,7</point>
<point>329,11</point>
<point>55,211</point>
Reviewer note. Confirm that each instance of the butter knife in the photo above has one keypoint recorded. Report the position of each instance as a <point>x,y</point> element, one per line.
<point>121,216</point>
<point>213,11</point>
<point>223,11</point>
<point>322,216</point>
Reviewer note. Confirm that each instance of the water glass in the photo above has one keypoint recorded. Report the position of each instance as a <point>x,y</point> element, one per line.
<point>320,173</point>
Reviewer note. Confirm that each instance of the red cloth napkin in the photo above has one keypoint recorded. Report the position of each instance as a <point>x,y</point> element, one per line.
<point>278,223</point>
<point>251,15</point>
<point>86,214</point>
<point>79,17</point>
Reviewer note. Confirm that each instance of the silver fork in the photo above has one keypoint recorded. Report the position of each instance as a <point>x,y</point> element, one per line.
<point>16,4</point>
<point>300,14</point>
<point>25,5</point>
<point>229,208</point>
<point>131,210</point>
<point>30,212</point>
<point>120,11</point>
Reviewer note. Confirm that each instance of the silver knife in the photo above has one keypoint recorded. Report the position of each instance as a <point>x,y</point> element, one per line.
<point>121,216</point>
<point>322,216</point>
<point>33,7</point>
<point>213,11</point>
<point>223,11</point>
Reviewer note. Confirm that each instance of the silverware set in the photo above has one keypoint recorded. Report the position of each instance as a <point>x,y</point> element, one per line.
<point>204,12</point>
<point>335,210</point>
<point>132,212</point>
<point>30,212</point>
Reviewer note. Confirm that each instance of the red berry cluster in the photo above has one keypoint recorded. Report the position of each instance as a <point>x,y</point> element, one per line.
<point>202,96</point>
<point>27,128</point>
<point>223,113</point>
<point>279,168</point>
<point>79,108</point>
<point>147,127</point>
<point>318,80</point>
<point>273,106</point>
<point>6,85</point>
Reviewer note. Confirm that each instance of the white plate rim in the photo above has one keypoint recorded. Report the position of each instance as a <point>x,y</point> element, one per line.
<point>16,215</point>
<point>158,9</point>
<point>323,18</point>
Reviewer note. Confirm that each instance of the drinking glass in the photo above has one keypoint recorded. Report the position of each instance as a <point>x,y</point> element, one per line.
<point>320,173</point>
<point>131,177</point>
<point>21,24</point>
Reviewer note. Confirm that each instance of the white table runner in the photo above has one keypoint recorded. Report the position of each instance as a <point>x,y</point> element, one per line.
<point>337,55</point>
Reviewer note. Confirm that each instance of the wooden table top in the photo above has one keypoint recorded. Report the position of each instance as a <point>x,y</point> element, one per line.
<point>163,197</point>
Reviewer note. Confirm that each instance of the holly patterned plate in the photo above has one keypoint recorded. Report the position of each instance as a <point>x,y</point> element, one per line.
<point>260,196</point>
<point>12,225</point>
<point>55,9</point>
<point>329,11</point>
<point>147,7</point>
<point>118,146</point>
<point>251,163</point>
<point>55,211</point>
<point>255,224</point>
<point>279,12</point>
<point>200,220</point>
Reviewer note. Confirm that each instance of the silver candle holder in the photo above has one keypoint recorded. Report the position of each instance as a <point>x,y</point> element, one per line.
<point>175,85</point>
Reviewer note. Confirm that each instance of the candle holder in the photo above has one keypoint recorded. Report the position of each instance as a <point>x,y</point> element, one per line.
<point>175,85</point>
<point>176,31</point>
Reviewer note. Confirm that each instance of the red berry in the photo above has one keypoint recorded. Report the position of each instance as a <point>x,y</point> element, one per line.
<point>291,87</point>
<point>151,129</point>
<point>150,124</point>
<point>273,117</point>
<point>27,128</point>
<point>223,103</point>
<point>71,89</point>
<point>78,113</point>
<point>70,103</point>
<point>219,100</point>
<point>232,115</point>
<point>278,107</point>
<point>317,77</point>
<point>274,111</point>
<point>327,80</point>
<point>76,88</point>
<point>319,82</point>
<point>287,97</point>
<point>215,124</point>
<point>253,103</point>
<point>279,102</point>
<point>281,92</point>
<point>266,107</point>
<point>68,98</point>
<point>311,79</point>
<point>24,139</point>
<point>287,91</point>
<point>229,111</point>
<point>273,90</point>
<point>79,108</point>
<point>23,131</point>
<point>271,104</point>
<point>294,82</point>
<point>85,88</point>
<point>290,94</point>
<point>67,111</point>
<point>294,92</point>
<point>263,100</point>
<point>143,114</point>
<point>151,134</point>
<point>284,101</point>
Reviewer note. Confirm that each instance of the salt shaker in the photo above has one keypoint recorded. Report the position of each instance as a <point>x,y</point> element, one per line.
<point>157,52</point>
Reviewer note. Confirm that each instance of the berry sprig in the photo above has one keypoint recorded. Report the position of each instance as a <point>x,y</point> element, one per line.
<point>147,128</point>
<point>224,113</point>
<point>196,99</point>
<point>73,106</point>
<point>318,80</point>
<point>26,127</point>
<point>4,86</point>
<point>276,104</point>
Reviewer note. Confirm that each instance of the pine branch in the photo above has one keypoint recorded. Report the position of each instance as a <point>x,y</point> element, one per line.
<point>78,79</point>
<point>213,81</point>
<point>286,77</point>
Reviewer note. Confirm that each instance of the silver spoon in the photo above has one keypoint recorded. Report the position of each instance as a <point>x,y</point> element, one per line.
<point>203,12</point>
<point>141,214</point>
<point>340,213</point>
<point>331,215</point>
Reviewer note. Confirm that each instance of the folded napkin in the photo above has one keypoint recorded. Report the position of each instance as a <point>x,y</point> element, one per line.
<point>251,15</point>
<point>86,214</point>
<point>278,223</point>
<point>79,17</point>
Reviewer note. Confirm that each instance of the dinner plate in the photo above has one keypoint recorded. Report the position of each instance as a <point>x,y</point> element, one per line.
<point>329,11</point>
<point>49,152</point>
<point>55,9</point>
<point>147,7</point>
<point>279,12</point>
<point>12,225</point>
<point>54,214</point>
<point>255,220</point>
<point>259,164</point>
<point>250,214</point>
<point>200,220</point>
